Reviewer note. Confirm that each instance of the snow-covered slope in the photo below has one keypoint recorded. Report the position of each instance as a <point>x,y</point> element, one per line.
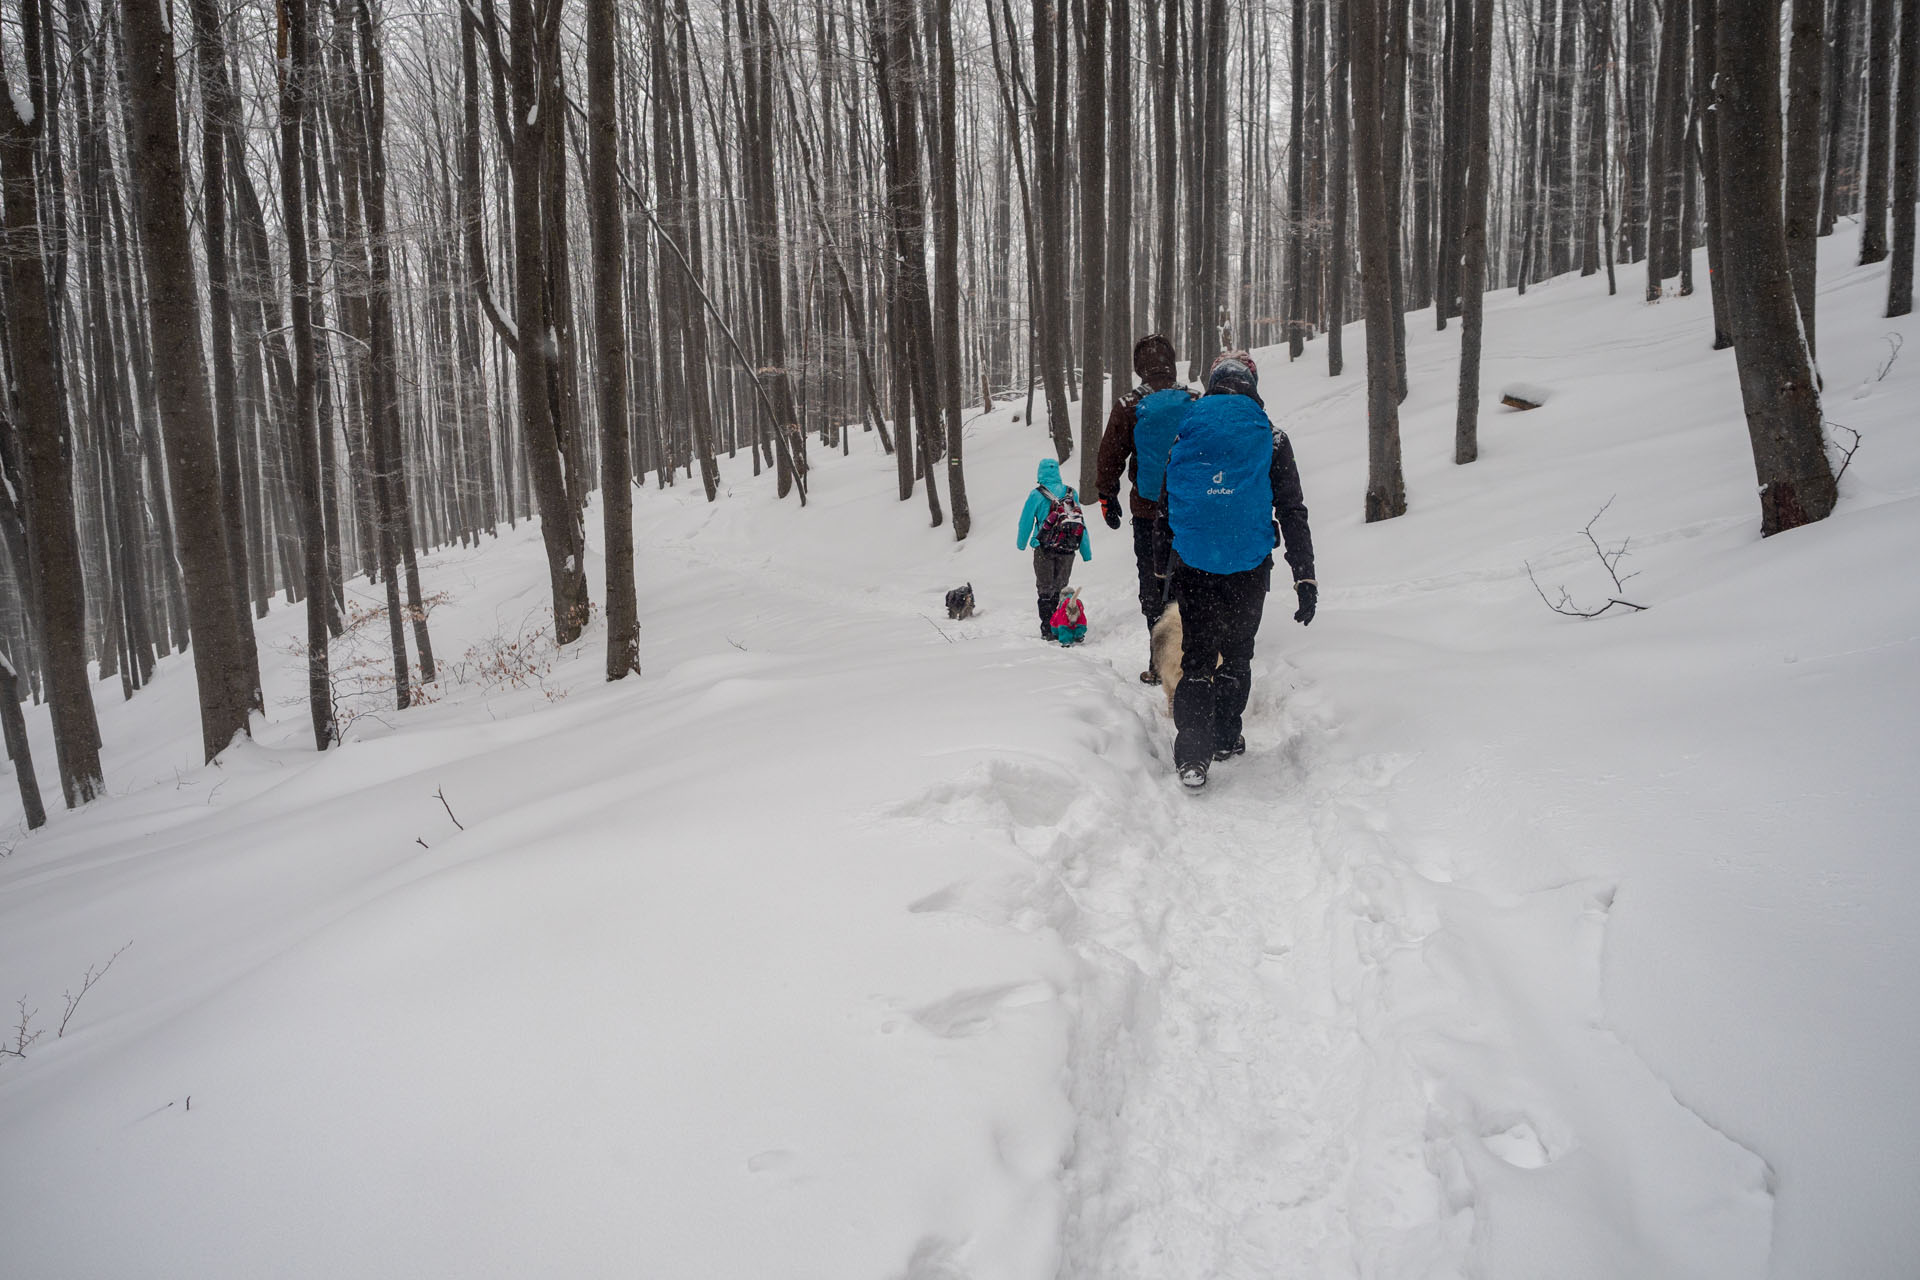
<point>850,941</point>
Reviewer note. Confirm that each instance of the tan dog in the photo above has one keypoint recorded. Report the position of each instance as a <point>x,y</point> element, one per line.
<point>1168,638</point>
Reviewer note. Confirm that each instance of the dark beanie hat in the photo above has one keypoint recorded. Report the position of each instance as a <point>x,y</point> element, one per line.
<point>1153,354</point>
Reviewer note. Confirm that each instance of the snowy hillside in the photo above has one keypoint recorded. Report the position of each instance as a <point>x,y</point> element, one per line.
<point>853,942</point>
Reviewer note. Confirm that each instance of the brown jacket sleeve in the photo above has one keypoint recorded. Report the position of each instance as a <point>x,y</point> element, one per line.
<point>1116,448</point>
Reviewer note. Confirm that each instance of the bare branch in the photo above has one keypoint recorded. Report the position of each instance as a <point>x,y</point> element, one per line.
<point>23,1034</point>
<point>86,984</point>
<point>1610,560</point>
<point>1846,454</point>
<point>1894,341</point>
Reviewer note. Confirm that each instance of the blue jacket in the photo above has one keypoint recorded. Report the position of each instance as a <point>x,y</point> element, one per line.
<point>1037,507</point>
<point>1232,487</point>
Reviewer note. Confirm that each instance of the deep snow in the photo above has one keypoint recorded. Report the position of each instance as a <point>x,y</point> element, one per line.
<point>850,941</point>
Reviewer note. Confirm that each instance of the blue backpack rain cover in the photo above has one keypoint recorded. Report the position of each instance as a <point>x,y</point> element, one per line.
<point>1156,422</point>
<point>1220,485</point>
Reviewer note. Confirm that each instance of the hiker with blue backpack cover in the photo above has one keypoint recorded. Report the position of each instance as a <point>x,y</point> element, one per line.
<point>1052,521</point>
<point>1139,436</point>
<point>1233,494</point>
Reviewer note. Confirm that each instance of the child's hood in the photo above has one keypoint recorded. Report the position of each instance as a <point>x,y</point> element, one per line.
<point>1049,477</point>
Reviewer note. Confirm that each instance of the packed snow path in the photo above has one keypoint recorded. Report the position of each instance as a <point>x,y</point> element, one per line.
<point>1297,1048</point>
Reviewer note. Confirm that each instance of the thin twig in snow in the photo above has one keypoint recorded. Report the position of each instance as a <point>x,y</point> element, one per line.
<point>1846,455</point>
<point>1894,341</point>
<point>442,797</point>
<point>86,985</point>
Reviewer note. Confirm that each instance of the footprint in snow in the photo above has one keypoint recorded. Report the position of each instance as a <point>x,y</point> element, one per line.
<point>972,1012</point>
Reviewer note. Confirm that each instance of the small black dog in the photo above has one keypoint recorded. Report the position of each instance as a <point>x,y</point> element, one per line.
<point>960,602</point>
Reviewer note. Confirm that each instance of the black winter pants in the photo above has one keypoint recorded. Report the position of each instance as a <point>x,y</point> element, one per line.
<point>1219,617</point>
<point>1051,569</point>
<point>1152,544</point>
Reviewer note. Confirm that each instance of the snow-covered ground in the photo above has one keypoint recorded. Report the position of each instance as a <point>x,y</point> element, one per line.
<point>854,942</point>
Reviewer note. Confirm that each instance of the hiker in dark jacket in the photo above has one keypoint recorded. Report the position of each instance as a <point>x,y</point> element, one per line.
<point>1139,435</point>
<point>1233,492</point>
<point>1053,546</point>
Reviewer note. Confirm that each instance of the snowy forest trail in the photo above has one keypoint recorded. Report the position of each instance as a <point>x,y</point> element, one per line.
<point>853,941</point>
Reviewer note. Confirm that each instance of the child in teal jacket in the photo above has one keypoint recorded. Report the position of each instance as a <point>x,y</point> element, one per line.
<point>1053,546</point>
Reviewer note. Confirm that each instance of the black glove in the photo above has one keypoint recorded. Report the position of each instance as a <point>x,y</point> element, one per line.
<point>1309,593</point>
<point>1110,510</point>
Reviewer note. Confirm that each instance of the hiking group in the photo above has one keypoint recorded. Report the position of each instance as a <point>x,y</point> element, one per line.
<point>1215,490</point>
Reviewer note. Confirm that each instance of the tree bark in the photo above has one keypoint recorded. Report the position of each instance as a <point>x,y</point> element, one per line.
<point>1386,495</point>
<point>946,264</point>
<point>1806,67</point>
<point>1340,180</point>
<point>1664,164</point>
<point>180,378</point>
<point>53,547</point>
<point>1878,130</point>
<point>386,420</point>
<point>14,727</point>
<point>1296,221</point>
<point>1093,240</point>
<point>610,341</point>
<point>1050,305</point>
<point>535,50</point>
<point>1473,271</point>
<point>1705,20</point>
<point>1906,157</point>
<point>218,109</point>
<point>1776,374</point>
<point>296,63</point>
<point>1120,151</point>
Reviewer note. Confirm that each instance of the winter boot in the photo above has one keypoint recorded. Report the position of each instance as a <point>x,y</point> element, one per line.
<point>1239,748</point>
<point>1193,776</point>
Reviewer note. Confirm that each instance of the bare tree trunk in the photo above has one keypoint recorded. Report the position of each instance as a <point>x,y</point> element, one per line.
<point>1093,239</point>
<point>1705,20</point>
<point>19,750</point>
<point>295,65</point>
<point>535,49</point>
<point>1840,100</point>
<point>1121,160</point>
<point>893,34</point>
<point>1878,128</point>
<point>1386,488</point>
<point>1906,156</point>
<point>610,341</point>
<point>1048,31</point>
<point>386,420</point>
<point>1341,180</point>
<point>219,110</point>
<point>1776,373</point>
<point>1296,148</point>
<point>186,405</point>
<point>1806,65</point>
<point>1593,194</point>
<point>1473,271</point>
<point>1634,220</point>
<point>1663,181</point>
<point>1166,172</point>
<point>946,264</point>
<point>53,545</point>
